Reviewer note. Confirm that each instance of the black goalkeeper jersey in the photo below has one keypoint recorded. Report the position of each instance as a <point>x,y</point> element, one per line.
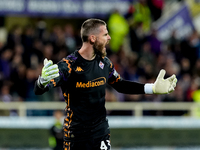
<point>83,84</point>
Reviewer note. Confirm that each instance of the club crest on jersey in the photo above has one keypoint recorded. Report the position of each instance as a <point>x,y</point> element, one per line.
<point>101,65</point>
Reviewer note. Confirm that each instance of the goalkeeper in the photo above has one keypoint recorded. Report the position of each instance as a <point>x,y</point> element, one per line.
<point>83,76</point>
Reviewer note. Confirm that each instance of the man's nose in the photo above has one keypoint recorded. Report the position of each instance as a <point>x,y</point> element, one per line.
<point>109,38</point>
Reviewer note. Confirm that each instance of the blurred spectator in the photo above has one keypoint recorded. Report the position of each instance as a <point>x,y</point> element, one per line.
<point>70,40</point>
<point>3,35</point>
<point>6,97</point>
<point>142,14</point>
<point>57,38</point>
<point>28,37</point>
<point>5,66</point>
<point>173,41</point>
<point>118,28</point>
<point>30,82</point>
<point>190,48</point>
<point>171,66</point>
<point>146,57</point>
<point>37,50</point>
<point>196,97</point>
<point>184,83</point>
<point>5,94</point>
<point>154,42</point>
<point>48,51</point>
<point>185,67</point>
<point>193,87</point>
<point>56,132</point>
<point>156,7</point>
<point>139,19</point>
<point>14,36</point>
<point>137,36</point>
<point>41,32</point>
<point>18,78</point>
<point>196,70</point>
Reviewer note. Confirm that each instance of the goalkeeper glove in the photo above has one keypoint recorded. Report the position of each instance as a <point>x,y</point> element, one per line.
<point>161,85</point>
<point>49,71</point>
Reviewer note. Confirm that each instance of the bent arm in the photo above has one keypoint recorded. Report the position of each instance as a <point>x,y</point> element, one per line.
<point>38,90</point>
<point>64,72</point>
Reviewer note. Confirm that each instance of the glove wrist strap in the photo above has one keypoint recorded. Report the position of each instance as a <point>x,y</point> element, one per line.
<point>148,88</point>
<point>39,82</point>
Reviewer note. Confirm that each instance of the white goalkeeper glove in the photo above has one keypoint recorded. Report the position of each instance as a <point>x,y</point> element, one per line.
<point>161,85</point>
<point>49,71</point>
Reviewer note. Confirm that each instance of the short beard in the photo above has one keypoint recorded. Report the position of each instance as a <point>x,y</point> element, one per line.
<point>98,49</point>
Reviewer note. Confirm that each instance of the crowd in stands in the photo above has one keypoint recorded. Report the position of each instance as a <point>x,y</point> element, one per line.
<point>136,52</point>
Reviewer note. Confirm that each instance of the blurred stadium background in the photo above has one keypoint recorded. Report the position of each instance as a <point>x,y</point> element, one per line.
<point>147,35</point>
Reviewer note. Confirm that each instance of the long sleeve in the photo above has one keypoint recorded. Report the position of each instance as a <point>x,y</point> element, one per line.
<point>128,87</point>
<point>124,86</point>
<point>38,90</point>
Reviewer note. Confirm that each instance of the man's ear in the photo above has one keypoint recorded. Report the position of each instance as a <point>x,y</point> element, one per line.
<point>92,38</point>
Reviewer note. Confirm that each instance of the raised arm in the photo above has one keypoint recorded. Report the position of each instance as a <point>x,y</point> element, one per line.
<point>49,72</point>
